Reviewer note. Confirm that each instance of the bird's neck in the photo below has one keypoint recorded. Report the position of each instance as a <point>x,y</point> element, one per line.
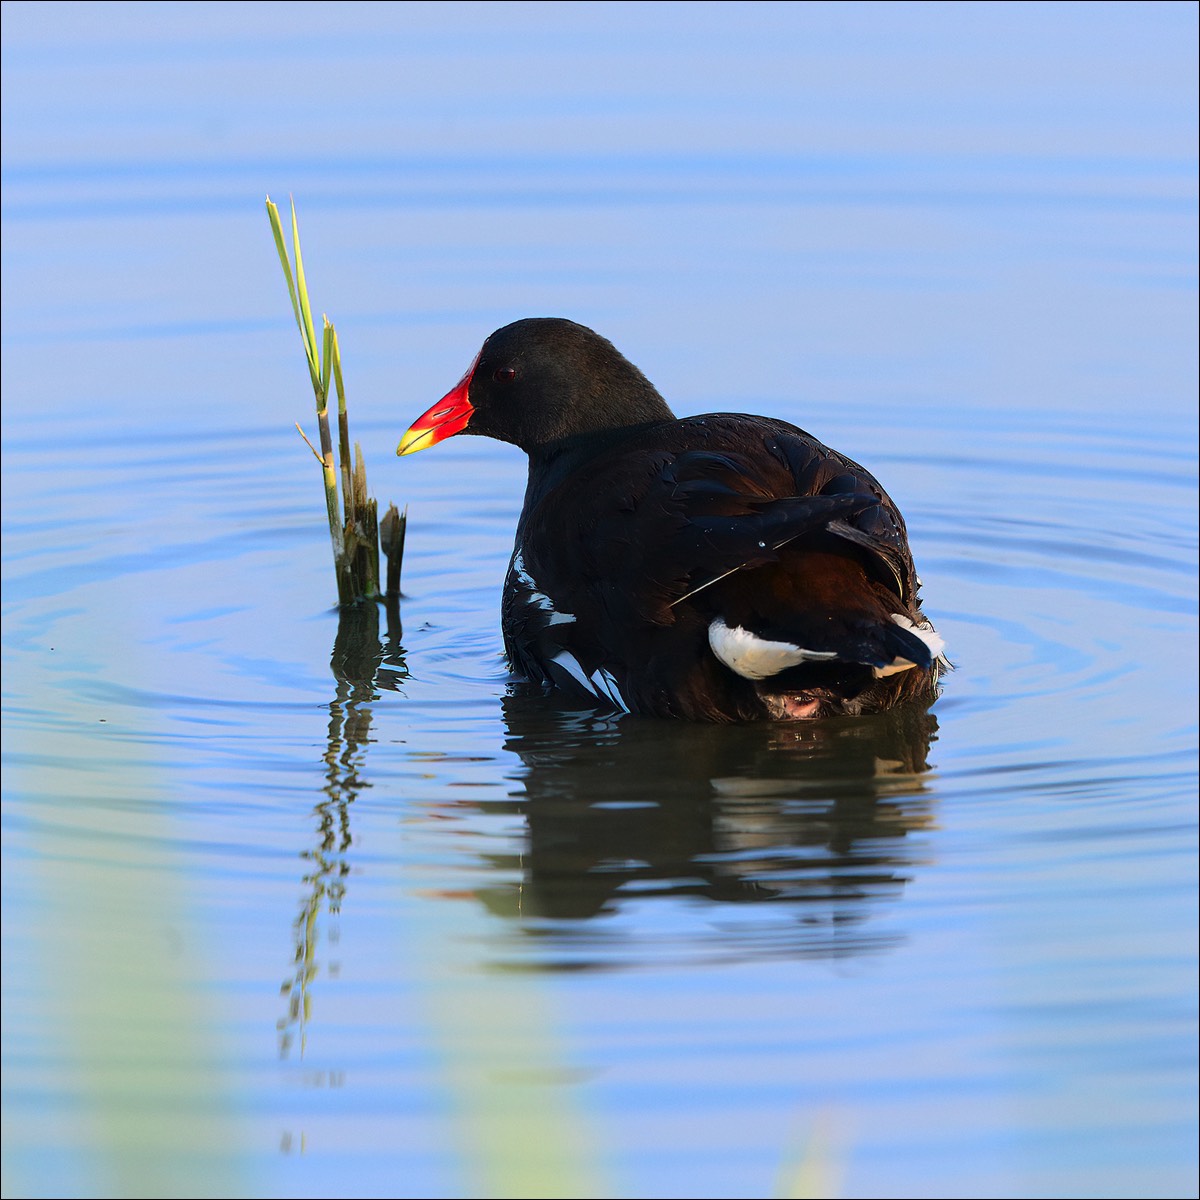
<point>553,462</point>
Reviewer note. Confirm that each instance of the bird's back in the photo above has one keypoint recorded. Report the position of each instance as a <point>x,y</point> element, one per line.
<point>660,568</point>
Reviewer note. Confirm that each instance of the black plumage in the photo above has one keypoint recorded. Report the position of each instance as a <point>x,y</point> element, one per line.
<point>722,568</point>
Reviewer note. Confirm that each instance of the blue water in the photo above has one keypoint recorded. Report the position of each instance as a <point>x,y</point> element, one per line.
<point>404,928</point>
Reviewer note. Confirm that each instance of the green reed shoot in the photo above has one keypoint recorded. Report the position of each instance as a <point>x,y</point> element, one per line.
<point>354,536</point>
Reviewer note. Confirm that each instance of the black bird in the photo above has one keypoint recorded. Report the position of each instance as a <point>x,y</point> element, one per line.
<point>715,568</point>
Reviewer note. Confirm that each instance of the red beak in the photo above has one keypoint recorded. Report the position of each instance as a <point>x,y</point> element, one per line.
<point>446,418</point>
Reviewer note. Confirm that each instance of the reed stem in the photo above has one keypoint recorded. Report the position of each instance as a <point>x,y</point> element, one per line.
<point>354,538</point>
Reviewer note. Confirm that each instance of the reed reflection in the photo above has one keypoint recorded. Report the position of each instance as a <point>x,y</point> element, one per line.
<point>813,816</point>
<point>361,665</point>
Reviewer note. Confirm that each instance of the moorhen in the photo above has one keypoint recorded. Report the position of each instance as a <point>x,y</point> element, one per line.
<point>715,568</point>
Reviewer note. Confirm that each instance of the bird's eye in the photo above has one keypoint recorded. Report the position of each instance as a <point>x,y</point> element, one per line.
<point>504,374</point>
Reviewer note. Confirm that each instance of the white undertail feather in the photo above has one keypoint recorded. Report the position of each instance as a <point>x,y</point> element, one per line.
<point>926,632</point>
<point>753,657</point>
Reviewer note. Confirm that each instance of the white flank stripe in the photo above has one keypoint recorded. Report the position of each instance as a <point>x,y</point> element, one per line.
<point>753,657</point>
<point>569,664</point>
<point>610,688</point>
<point>600,682</point>
<point>536,596</point>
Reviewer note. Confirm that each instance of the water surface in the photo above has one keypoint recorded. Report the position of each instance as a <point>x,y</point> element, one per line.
<point>301,905</point>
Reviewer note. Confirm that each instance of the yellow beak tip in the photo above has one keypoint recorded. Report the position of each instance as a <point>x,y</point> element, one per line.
<point>412,441</point>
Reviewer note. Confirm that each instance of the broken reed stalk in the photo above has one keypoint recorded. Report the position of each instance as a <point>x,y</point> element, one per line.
<point>355,539</point>
<point>391,537</point>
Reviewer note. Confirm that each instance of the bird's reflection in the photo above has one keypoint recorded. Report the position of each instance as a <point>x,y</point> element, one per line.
<point>782,837</point>
<point>811,816</point>
<point>361,664</point>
